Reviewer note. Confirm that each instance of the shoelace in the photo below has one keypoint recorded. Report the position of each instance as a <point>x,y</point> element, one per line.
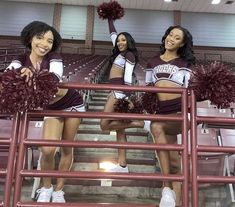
<point>41,193</point>
<point>58,195</point>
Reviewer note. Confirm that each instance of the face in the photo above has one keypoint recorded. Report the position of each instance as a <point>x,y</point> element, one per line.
<point>42,44</point>
<point>174,39</point>
<point>122,43</point>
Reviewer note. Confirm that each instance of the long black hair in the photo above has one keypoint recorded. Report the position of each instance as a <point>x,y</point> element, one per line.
<point>39,28</point>
<point>186,51</point>
<point>104,74</point>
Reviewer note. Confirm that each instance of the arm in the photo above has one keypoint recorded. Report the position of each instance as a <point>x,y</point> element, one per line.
<point>18,63</point>
<point>127,76</point>
<point>128,73</point>
<point>112,31</point>
<point>57,67</point>
<point>187,76</point>
<point>14,64</point>
<point>148,75</point>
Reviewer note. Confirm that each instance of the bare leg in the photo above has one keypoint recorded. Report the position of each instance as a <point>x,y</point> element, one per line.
<point>121,137</point>
<point>52,129</point>
<point>175,161</point>
<point>70,129</point>
<point>169,160</point>
<point>157,130</point>
<point>110,125</point>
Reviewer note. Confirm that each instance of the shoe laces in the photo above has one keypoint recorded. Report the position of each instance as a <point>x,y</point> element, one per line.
<point>43,193</point>
<point>58,195</point>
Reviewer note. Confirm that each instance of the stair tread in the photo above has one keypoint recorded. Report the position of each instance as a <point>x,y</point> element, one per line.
<point>97,131</point>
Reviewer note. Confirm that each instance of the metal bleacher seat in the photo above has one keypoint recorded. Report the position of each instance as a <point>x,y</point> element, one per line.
<point>223,137</point>
<point>228,139</point>
<point>35,131</point>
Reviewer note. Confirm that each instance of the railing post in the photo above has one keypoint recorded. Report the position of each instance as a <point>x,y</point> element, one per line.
<point>11,160</point>
<point>194,151</point>
<point>185,160</point>
<point>20,159</point>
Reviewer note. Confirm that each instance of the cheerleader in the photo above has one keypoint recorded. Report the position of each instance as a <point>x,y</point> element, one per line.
<point>123,61</point>
<point>42,41</point>
<point>169,69</point>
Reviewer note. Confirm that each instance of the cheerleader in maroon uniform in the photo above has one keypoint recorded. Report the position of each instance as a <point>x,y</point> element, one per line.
<point>43,40</point>
<point>170,69</point>
<point>123,61</point>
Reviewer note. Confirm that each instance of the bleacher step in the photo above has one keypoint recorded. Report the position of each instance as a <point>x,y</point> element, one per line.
<point>95,193</point>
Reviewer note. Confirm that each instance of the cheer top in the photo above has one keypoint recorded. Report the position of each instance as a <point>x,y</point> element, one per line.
<point>125,61</point>
<point>53,62</point>
<point>175,71</point>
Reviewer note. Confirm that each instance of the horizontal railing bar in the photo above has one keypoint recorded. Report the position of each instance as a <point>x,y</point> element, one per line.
<point>101,175</point>
<point>103,115</point>
<point>102,144</point>
<point>5,140</point>
<point>207,148</point>
<point>215,179</point>
<point>213,119</point>
<point>122,87</point>
<point>33,204</point>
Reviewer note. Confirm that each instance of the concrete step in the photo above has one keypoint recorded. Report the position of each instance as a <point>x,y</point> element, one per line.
<point>97,192</point>
<point>98,97</point>
<point>97,103</point>
<point>92,192</point>
<point>92,107</point>
<point>98,135</point>
<point>98,155</point>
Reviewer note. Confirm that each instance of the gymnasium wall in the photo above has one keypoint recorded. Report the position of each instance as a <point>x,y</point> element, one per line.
<point>214,34</point>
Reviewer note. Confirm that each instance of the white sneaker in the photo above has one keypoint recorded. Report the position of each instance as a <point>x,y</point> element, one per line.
<point>168,198</point>
<point>147,124</point>
<point>44,194</point>
<point>58,197</point>
<point>119,168</point>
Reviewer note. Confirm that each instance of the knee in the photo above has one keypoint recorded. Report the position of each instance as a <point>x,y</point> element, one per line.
<point>48,152</point>
<point>67,152</point>
<point>157,130</point>
<point>103,125</point>
<point>175,165</point>
<point>175,169</point>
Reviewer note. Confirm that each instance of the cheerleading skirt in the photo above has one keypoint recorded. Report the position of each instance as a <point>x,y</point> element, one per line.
<point>169,106</point>
<point>118,94</point>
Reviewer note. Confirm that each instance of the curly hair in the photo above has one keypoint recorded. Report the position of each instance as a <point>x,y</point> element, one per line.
<point>39,28</point>
<point>130,47</point>
<point>185,52</point>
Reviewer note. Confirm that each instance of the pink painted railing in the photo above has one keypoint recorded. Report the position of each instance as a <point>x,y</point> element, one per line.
<point>8,173</point>
<point>24,143</point>
<point>195,148</point>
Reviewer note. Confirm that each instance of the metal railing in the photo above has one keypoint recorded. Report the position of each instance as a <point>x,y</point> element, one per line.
<point>10,143</point>
<point>195,149</point>
<point>24,143</point>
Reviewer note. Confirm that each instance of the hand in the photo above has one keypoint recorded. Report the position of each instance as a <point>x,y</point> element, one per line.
<point>26,72</point>
<point>130,105</point>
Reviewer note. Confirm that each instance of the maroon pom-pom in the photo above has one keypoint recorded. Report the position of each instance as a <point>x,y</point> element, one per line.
<point>149,102</point>
<point>18,95</point>
<point>14,92</point>
<point>215,82</point>
<point>45,86</point>
<point>110,10</point>
<point>133,105</point>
